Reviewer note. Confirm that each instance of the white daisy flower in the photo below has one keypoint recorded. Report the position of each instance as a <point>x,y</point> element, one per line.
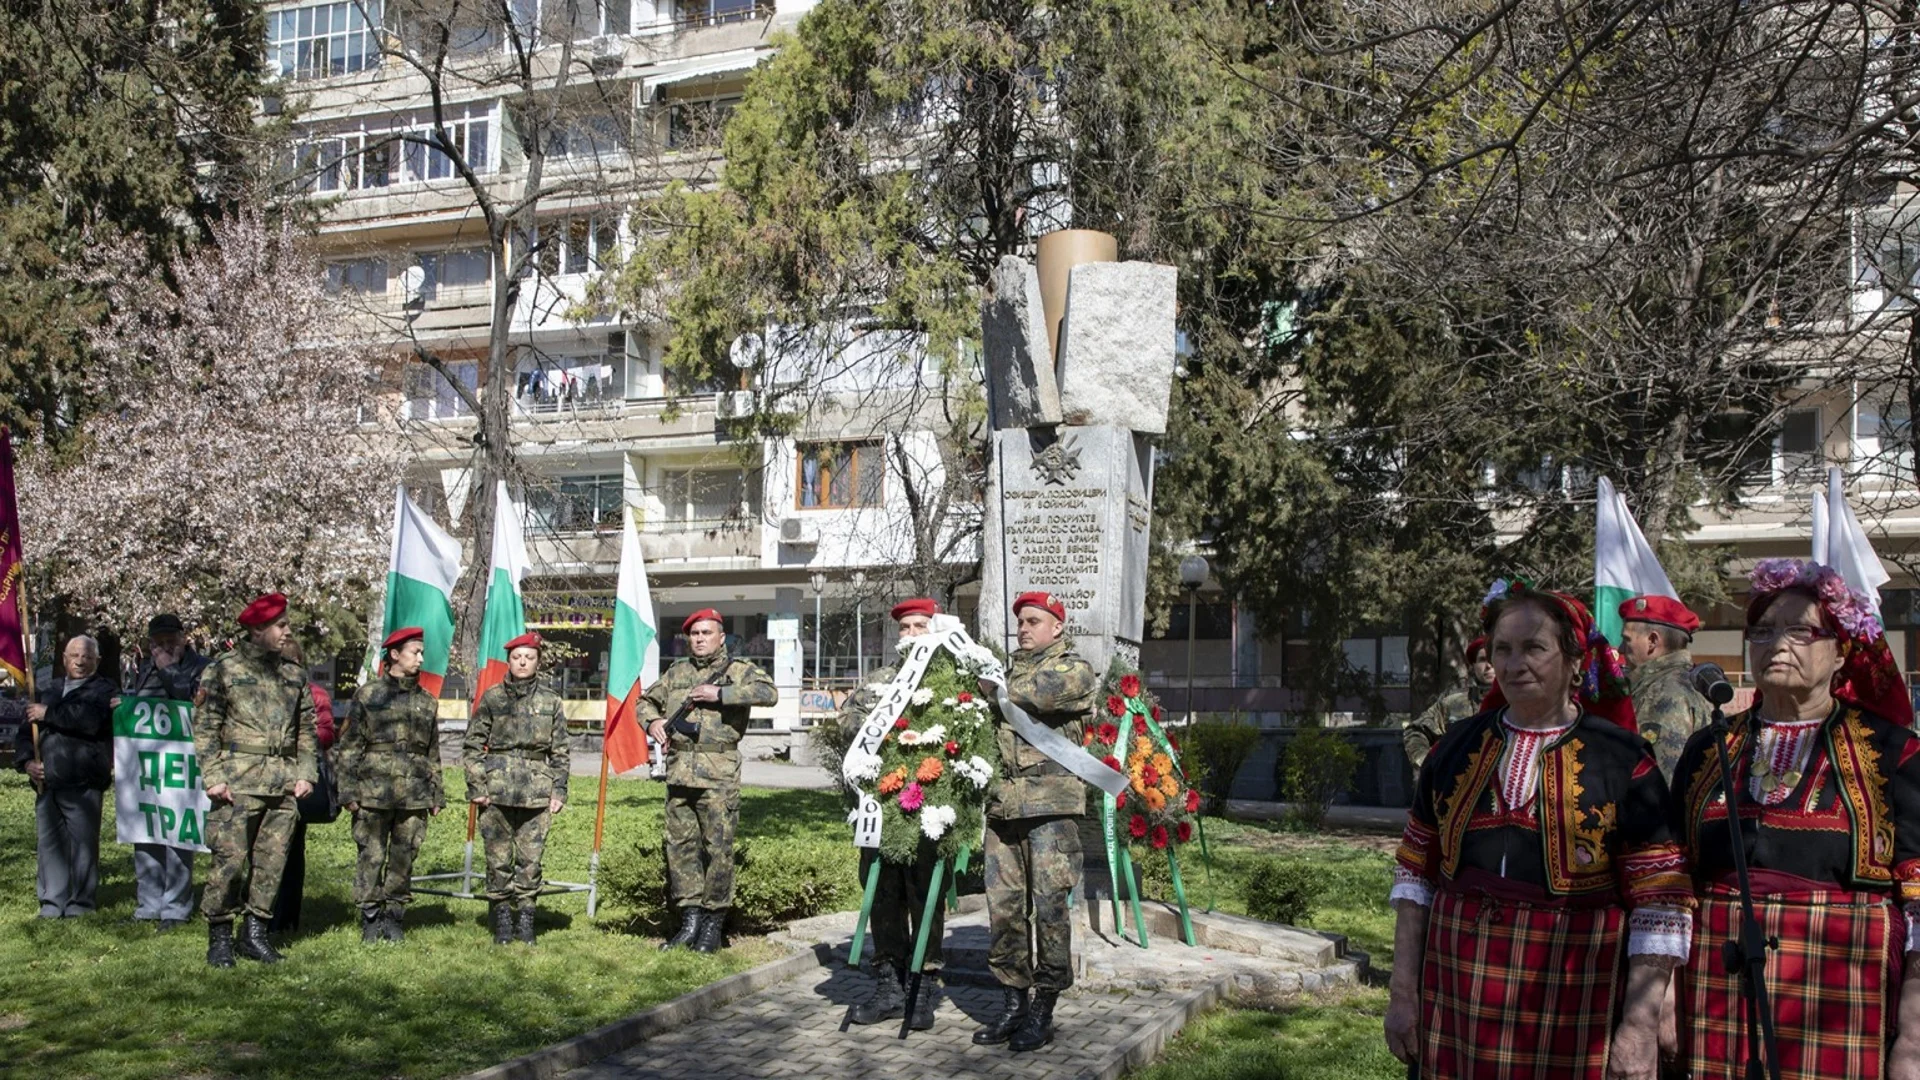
<point>921,696</point>
<point>936,820</point>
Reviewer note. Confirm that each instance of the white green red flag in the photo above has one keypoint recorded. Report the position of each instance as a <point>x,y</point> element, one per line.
<point>506,614</point>
<point>421,574</point>
<point>1624,565</point>
<point>634,662</point>
<point>1840,542</point>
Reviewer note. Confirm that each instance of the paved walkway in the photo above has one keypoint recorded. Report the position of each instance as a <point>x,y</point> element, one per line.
<point>794,1029</point>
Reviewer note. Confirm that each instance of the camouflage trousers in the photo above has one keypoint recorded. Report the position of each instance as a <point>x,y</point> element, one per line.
<point>1032,865</point>
<point>516,839</point>
<point>388,840</point>
<point>699,827</point>
<point>249,838</point>
<point>899,902</point>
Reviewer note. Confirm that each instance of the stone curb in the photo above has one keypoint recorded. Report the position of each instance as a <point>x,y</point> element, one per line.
<point>584,1049</point>
<point>1140,1048</point>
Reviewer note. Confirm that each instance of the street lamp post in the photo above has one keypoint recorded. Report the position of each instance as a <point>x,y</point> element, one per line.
<point>819,582</point>
<point>860,625</point>
<point>1193,574</point>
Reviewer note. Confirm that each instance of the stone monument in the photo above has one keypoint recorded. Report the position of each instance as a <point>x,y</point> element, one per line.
<point>1070,481</point>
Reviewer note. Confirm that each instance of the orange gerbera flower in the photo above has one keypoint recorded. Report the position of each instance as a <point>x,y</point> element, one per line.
<point>1163,763</point>
<point>893,781</point>
<point>1142,745</point>
<point>1170,786</point>
<point>929,770</point>
<point>1139,785</point>
<point>1156,802</point>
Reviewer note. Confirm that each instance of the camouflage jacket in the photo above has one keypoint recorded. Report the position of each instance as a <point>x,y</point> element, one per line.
<point>516,749</point>
<point>1424,730</point>
<point>1668,710</point>
<point>713,759</point>
<point>854,710</point>
<point>389,748</point>
<point>1058,689</point>
<point>253,723</point>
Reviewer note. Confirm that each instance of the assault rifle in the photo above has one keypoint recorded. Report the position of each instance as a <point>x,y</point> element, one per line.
<point>678,722</point>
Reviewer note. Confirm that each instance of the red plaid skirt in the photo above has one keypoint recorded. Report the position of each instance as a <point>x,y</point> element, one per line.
<point>1517,986</point>
<point>1834,981</point>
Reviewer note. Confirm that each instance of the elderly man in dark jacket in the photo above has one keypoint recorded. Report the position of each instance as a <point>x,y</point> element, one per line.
<point>72,768</point>
<point>163,875</point>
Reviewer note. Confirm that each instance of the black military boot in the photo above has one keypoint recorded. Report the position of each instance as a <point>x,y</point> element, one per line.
<point>1013,1010</point>
<point>502,922</point>
<point>373,926</point>
<point>220,944</point>
<point>926,1001</point>
<point>1036,1030</point>
<point>393,916</point>
<point>690,918</point>
<point>889,1000</point>
<point>526,922</point>
<point>712,934</point>
<point>254,944</point>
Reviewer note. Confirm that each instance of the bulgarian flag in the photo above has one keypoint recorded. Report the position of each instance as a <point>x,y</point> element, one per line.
<point>506,616</point>
<point>634,663</point>
<point>1624,565</point>
<point>420,578</point>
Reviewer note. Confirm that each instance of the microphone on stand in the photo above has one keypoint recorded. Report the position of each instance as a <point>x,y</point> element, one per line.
<point>1710,682</point>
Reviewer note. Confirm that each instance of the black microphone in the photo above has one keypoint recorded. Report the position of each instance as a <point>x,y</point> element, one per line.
<point>1711,683</point>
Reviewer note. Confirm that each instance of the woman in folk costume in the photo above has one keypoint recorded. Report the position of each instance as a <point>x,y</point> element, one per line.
<point>1827,775</point>
<point>1540,900</point>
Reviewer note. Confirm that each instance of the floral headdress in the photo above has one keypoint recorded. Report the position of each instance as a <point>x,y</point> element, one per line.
<point>1868,677</point>
<point>1603,677</point>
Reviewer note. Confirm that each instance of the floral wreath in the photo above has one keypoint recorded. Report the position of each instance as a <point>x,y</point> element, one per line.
<point>1851,610</point>
<point>1159,805</point>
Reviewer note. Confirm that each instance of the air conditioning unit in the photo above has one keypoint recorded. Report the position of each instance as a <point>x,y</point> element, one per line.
<point>735,404</point>
<point>799,531</point>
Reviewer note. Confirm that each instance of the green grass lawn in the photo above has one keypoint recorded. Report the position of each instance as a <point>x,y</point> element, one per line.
<point>104,997</point>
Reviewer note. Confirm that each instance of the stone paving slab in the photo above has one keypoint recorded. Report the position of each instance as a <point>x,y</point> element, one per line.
<point>794,1029</point>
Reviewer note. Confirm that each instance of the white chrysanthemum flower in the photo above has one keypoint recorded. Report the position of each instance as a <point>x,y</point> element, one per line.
<point>975,769</point>
<point>936,820</point>
<point>949,702</point>
<point>861,766</point>
<point>935,734</point>
<point>921,696</point>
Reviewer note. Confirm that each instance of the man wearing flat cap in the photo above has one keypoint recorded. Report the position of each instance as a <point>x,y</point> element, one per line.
<point>517,758</point>
<point>253,730</point>
<point>163,875</point>
<point>703,772</point>
<point>389,751</point>
<point>900,892</point>
<point>1654,635</point>
<point>1033,831</point>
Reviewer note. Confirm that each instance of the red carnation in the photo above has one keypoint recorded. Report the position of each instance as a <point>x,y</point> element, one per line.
<point>1120,801</point>
<point>1139,725</point>
<point>1111,762</point>
<point>952,748</point>
<point>1156,714</point>
<point>963,697</point>
<point>1150,776</point>
<point>1130,685</point>
<point>1159,837</point>
<point>900,724</point>
<point>1185,831</point>
<point>1138,826</point>
<point>1193,803</point>
<point>1115,706</point>
<point>1109,734</point>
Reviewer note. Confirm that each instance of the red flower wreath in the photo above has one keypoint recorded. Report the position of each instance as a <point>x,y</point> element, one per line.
<point>1130,686</point>
<point>1185,832</point>
<point>1159,837</point>
<point>1138,826</point>
<point>1115,706</point>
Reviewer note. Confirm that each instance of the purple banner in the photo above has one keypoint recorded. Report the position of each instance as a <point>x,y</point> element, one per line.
<point>13,597</point>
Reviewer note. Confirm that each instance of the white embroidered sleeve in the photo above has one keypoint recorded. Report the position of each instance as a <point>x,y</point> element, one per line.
<point>1658,930</point>
<point>1410,886</point>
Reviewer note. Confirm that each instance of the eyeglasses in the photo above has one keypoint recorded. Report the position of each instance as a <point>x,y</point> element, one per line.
<point>1797,634</point>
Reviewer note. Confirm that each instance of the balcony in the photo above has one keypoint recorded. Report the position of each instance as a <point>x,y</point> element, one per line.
<point>668,547</point>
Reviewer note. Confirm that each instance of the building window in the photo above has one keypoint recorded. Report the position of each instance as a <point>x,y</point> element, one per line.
<point>545,382</point>
<point>707,497</point>
<point>323,39</point>
<point>1797,449</point>
<point>365,276</point>
<point>462,268</point>
<point>577,503</point>
<point>720,12</point>
<point>431,397</point>
<point>587,136</point>
<point>469,135</point>
<point>558,20</point>
<point>371,160</point>
<point>1883,440</point>
<point>698,125</point>
<point>838,475</point>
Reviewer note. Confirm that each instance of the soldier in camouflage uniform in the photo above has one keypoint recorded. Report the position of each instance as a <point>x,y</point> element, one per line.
<point>253,731</point>
<point>1654,635</point>
<point>1424,730</point>
<point>517,761</point>
<point>1033,831</point>
<point>900,892</point>
<point>389,752</point>
<point>703,773</point>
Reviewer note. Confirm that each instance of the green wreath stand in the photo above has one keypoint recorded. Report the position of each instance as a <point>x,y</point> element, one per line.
<point>1119,853</point>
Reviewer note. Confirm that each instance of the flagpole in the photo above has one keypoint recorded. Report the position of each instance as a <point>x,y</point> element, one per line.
<point>26,651</point>
<point>599,824</point>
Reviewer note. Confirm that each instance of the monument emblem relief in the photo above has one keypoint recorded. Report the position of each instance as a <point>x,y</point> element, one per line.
<point>1058,463</point>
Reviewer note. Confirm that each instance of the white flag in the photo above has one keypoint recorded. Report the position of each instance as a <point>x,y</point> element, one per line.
<point>1840,542</point>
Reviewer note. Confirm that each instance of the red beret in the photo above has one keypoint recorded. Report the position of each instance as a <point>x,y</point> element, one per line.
<point>528,640</point>
<point>1660,610</point>
<point>703,614</point>
<point>264,610</point>
<point>1476,647</point>
<point>919,605</point>
<point>402,636</point>
<point>1044,601</point>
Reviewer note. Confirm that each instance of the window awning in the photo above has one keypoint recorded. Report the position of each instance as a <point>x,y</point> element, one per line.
<point>705,67</point>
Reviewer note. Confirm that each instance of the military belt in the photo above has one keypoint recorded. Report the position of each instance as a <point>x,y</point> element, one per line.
<point>390,744</point>
<point>712,747</point>
<point>529,755</point>
<point>268,749</point>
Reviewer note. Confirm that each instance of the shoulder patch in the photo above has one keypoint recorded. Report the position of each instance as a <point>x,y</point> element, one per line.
<point>1063,666</point>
